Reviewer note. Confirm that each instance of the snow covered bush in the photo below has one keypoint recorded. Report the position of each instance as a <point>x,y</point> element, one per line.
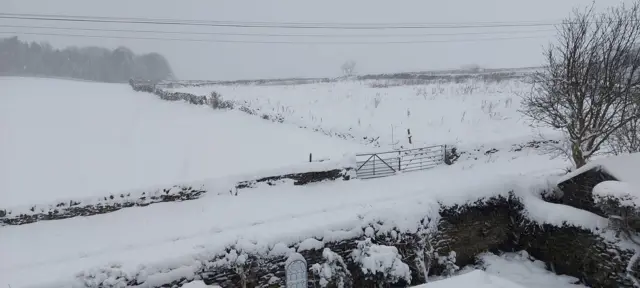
<point>240,262</point>
<point>381,264</point>
<point>333,272</point>
<point>216,102</point>
<point>448,262</point>
<point>109,276</point>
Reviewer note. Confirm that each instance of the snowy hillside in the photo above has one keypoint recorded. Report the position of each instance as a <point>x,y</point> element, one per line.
<point>65,139</point>
<point>69,140</point>
<point>470,112</point>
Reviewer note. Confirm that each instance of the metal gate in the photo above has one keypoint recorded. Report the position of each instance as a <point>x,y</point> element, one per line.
<point>374,165</point>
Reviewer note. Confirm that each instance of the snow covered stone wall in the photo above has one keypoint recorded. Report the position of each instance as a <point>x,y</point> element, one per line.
<point>379,253</point>
<point>215,101</point>
<point>69,208</point>
<point>88,207</point>
<point>301,178</point>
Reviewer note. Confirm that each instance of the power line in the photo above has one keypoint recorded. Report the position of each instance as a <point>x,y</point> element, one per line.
<point>274,34</point>
<point>276,42</point>
<point>270,25</point>
<point>276,23</point>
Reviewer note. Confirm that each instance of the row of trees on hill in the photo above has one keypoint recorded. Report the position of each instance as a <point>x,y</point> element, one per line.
<point>18,58</point>
<point>590,86</point>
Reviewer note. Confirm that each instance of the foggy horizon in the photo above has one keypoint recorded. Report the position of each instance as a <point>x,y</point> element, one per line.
<point>232,61</point>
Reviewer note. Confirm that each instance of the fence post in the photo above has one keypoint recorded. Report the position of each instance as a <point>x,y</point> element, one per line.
<point>310,157</point>
<point>444,153</point>
<point>399,161</point>
<point>374,166</point>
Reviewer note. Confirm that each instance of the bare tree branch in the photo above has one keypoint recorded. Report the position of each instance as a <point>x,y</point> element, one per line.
<point>589,88</point>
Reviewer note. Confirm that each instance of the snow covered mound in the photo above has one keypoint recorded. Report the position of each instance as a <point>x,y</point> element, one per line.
<point>511,270</point>
<point>624,192</point>
<point>439,113</point>
<point>522,269</point>
<point>69,139</point>
<point>476,279</point>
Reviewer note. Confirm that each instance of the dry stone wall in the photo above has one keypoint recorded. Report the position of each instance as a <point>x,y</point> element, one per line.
<point>439,246</point>
<point>114,202</point>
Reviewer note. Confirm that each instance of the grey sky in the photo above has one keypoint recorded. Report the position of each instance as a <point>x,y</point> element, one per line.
<point>207,60</point>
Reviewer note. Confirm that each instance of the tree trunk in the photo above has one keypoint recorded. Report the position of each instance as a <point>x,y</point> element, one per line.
<point>576,154</point>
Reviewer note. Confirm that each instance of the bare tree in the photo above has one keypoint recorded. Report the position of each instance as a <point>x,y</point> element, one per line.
<point>589,86</point>
<point>348,68</point>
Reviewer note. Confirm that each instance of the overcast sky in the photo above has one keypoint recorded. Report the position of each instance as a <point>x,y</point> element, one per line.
<point>209,60</point>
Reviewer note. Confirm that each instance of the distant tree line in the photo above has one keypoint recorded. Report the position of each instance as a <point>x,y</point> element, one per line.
<point>19,58</point>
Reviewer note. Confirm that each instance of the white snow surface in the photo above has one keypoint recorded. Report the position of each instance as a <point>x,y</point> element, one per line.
<point>177,234</point>
<point>521,269</point>
<point>510,270</point>
<point>72,139</point>
<point>623,167</point>
<point>476,279</point>
<point>131,141</point>
<point>623,191</point>
<point>470,112</point>
<point>198,284</point>
<point>213,186</point>
<point>194,284</point>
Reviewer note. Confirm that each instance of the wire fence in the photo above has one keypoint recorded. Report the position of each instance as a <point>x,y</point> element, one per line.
<point>375,165</point>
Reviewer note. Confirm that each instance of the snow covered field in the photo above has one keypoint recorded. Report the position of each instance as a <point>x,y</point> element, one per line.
<point>65,139</point>
<point>470,112</point>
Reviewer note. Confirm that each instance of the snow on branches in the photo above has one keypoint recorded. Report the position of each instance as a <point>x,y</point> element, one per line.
<point>381,263</point>
<point>333,271</point>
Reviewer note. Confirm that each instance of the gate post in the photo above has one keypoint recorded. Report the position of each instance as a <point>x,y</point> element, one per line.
<point>444,153</point>
<point>374,165</point>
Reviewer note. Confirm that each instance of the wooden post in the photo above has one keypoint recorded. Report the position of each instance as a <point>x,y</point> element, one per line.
<point>444,153</point>
<point>310,157</point>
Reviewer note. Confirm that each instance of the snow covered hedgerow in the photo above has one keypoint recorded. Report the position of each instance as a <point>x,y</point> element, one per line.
<point>621,202</point>
<point>415,247</point>
<point>333,272</point>
<point>380,264</point>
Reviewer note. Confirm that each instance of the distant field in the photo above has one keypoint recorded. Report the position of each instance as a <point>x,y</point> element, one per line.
<point>63,139</point>
<point>441,112</point>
